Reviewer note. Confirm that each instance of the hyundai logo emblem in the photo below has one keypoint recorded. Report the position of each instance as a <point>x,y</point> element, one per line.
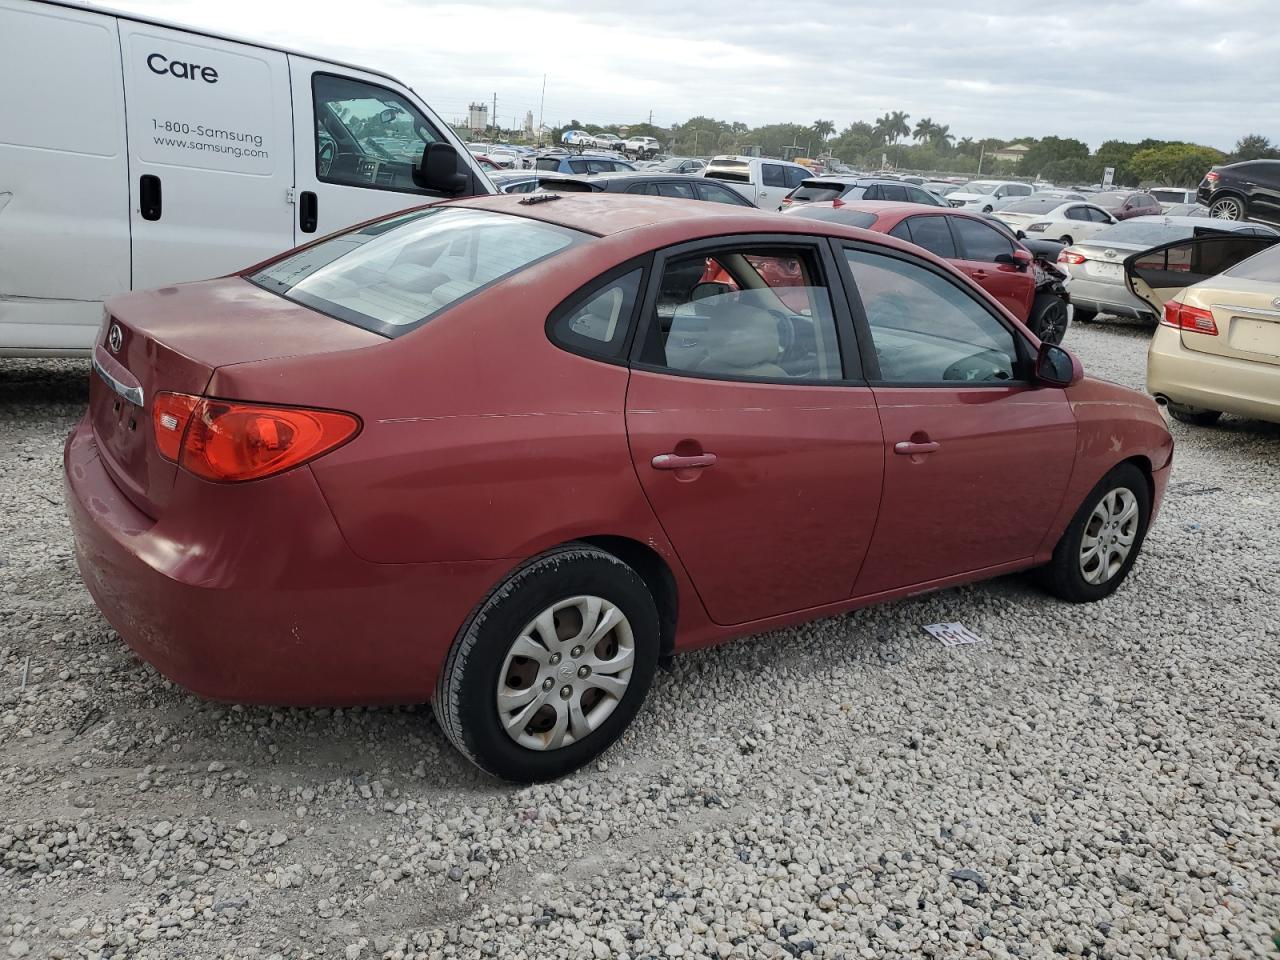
<point>115,338</point>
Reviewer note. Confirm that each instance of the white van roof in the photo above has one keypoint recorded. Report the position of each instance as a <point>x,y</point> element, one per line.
<point>201,31</point>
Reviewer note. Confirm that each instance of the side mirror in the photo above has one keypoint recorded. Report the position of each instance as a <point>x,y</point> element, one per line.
<point>707,289</point>
<point>439,170</point>
<point>1019,258</point>
<point>1057,367</point>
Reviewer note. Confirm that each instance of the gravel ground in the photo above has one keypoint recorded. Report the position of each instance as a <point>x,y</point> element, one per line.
<point>1093,781</point>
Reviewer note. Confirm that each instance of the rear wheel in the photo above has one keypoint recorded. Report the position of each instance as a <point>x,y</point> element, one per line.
<point>1196,416</point>
<point>1066,240</point>
<point>551,667</point>
<point>1227,208</point>
<point>1048,319</point>
<point>1103,540</point>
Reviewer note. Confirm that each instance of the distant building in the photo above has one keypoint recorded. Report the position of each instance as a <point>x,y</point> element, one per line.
<point>1013,153</point>
<point>478,116</point>
<point>528,122</point>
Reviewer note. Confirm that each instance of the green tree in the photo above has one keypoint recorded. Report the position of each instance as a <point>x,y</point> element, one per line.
<point>823,128</point>
<point>1049,150</point>
<point>923,132</point>
<point>941,136</point>
<point>1174,163</point>
<point>1254,146</point>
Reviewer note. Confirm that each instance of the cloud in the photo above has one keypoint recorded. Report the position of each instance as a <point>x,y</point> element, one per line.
<point>1200,70</point>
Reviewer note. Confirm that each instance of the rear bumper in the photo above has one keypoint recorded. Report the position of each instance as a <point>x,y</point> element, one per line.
<point>252,595</point>
<point>1107,298</point>
<point>1245,388</point>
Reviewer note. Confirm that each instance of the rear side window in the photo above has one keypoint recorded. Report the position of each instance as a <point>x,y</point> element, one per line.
<point>1261,266</point>
<point>597,324</point>
<point>547,163</point>
<point>893,191</point>
<point>676,189</point>
<point>934,235</point>
<point>718,194</point>
<point>796,176</point>
<point>396,274</point>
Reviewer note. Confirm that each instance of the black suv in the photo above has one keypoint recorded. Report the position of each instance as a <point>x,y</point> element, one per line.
<point>1249,190</point>
<point>688,186</point>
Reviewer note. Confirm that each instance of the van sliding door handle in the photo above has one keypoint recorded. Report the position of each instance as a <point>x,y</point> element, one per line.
<point>308,212</point>
<point>149,202</point>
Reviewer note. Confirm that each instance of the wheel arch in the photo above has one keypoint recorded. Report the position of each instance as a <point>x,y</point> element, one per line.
<point>656,573</point>
<point>1143,463</point>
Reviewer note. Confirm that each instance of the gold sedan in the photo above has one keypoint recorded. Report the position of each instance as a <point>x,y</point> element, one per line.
<point>1217,348</point>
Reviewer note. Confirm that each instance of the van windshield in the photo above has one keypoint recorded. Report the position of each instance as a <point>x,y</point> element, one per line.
<point>396,274</point>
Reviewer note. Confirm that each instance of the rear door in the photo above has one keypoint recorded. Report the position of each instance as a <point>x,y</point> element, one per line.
<point>761,458</point>
<point>1156,275</point>
<point>358,138</point>
<point>210,153</point>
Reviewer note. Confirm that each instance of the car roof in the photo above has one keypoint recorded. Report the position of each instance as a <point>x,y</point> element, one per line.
<point>743,159</point>
<point>852,181</point>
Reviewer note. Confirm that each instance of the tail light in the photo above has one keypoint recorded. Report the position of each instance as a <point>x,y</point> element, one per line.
<point>1185,317</point>
<point>1070,256</point>
<point>228,441</point>
<point>1213,176</point>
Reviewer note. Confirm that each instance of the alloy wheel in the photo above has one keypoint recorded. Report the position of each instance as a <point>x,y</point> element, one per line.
<point>1109,535</point>
<point>1227,208</point>
<point>565,673</point>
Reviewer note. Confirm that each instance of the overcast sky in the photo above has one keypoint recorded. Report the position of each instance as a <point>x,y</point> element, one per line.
<point>1200,70</point>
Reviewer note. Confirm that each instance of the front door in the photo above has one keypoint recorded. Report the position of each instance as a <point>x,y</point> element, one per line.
<point>762,462</point>
<point>210,154</point>
<point>976,458</point>
<point>358,138</point>
<point>980,246</point>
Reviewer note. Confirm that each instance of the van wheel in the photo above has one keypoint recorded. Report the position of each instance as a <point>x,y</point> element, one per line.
<point>551,667</point>
<point>1196,416</point>
<point>1103,540</point>
<point>1048,319</point>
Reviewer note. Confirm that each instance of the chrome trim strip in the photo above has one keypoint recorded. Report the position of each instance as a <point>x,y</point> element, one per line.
<point>132,394</point>
<point>1236,308</point>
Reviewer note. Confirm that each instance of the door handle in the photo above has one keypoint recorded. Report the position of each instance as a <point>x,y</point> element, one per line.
<point>149,204</point>
<point>672,461</point>
<point>308,211</point>
<point>979,274</point>
<point>910,448</point>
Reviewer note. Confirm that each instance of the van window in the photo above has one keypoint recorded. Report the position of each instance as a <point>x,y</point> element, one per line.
<point>366,135</point>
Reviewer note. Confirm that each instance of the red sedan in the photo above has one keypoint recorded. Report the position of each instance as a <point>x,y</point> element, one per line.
<point>984,249</point>
<point>505,453</point>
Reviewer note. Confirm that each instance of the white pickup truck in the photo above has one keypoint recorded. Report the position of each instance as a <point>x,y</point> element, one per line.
<point>762,181</point>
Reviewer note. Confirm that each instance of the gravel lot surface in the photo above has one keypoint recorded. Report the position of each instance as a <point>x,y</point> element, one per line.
<point>1094,781</point>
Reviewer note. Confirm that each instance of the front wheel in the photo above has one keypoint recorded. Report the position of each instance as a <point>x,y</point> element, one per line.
<point>1227,208</point>
<point>551,667</point>
<point>1066,240</point>
<point>1103,540</point>
<point>1048,318</point>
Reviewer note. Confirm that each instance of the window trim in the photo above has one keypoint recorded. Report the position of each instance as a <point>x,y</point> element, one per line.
<point>400,95</point>
<point>644,263</point>
<point>848,346</point>
<point>866,343</point>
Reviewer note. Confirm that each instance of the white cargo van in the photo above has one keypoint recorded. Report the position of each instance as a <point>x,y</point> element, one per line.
<point>136,154</point>
<point>764,182</point>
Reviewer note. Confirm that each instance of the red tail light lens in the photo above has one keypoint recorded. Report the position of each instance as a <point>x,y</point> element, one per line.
<point>227,441</point>
<point>170,415</point>
<point>1212,177</point>
<point>1069,256</point>
<point>1189,318</point>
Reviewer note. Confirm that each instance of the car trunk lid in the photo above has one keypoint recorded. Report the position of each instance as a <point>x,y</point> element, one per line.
<point>1247,319</point>
<point>172,340</point>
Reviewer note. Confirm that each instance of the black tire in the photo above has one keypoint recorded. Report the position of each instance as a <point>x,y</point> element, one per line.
<point>1227,207</point>
<point>1066,241</point>
<point>1081,315</point>
<point>1063,576</point>
<point>1048,319</point>
<point>1196,416</point>
<point>465,704</point>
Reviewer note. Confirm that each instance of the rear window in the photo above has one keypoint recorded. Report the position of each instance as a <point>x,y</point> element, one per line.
<point>395,275</point>
<point>1036,205</point>
<point>1171,196</point>
<point>852,218</point>
<point>734,171</point>
<point>1261,266</point>
<point>818,190</point>
<point>1151,231</point>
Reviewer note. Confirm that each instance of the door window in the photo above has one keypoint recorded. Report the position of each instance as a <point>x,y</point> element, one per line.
<point>708,190</point>
<point>676,189</point>
<point>796,176</point>
<point>598,325</point>
<point>1077,213</point>
<point>773,175</point>
<point>1019,190</point>
<point>978,241</point>
<point>934,235</point>
<point>1097,216</point>
<point>744,314</point>
<point>893,191</point>
<point>366,135</point>
<point>927,330</point>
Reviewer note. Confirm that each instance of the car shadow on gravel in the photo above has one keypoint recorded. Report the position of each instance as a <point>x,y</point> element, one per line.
<point>44,382</point>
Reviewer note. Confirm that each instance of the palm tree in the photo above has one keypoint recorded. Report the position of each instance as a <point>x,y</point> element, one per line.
<point>941,135</point>
<point>966,145</point>
<point>899,127</point>
<point>924,130</point>
<point>823,129</point>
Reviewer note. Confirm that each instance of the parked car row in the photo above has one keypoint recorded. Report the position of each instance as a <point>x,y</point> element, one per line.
<point>640,148</point>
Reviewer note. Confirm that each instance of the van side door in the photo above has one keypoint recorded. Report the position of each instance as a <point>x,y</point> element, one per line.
<point>210,153</point>
<point>358,137</point>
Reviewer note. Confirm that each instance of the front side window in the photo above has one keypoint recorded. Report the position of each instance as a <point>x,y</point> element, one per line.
<point>366,135</point>
<point>773,175</point>
<point>718,194</point>
<point>796,176</point>
<point>927,330</point>
<point>978,241</point>
<point>744,314</point>
<point>598,325</point>
<point>396,274</point>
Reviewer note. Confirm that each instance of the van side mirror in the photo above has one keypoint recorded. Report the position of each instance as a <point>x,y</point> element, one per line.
<point>439,170</point>
<point>1057,367</point>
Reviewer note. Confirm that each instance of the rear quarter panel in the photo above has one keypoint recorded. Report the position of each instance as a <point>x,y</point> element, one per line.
<point>1114,424</point>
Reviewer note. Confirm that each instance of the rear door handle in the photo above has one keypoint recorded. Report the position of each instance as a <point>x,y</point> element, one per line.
<point>672,461</point>
<point>308,212</point>
<point>909,447</point>
<point>149,199</point>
